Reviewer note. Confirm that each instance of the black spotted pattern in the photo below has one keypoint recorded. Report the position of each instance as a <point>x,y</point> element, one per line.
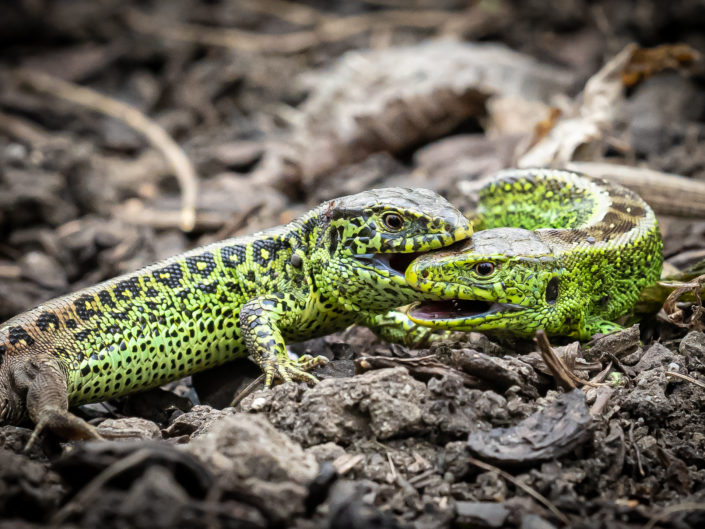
<point>47,320</point>
<point>233,255</point>
<point>202,265</point>
<point>170,275</point>
<point>18,334</point>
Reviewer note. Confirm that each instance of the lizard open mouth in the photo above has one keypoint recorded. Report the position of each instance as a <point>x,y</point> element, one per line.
<point>455,309</point>
<point>394,263</point>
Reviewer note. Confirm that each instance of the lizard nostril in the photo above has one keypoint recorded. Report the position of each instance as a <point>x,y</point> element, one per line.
<point>424,274</point>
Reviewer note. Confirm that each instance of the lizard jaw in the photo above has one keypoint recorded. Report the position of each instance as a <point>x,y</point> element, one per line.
<point>458,312</point>
<point>394,263</point>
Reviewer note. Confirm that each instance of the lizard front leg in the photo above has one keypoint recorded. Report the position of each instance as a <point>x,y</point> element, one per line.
<point>596,325</point>
<point>262,320</point>
<point>396,327</point>
<point>47,400</point>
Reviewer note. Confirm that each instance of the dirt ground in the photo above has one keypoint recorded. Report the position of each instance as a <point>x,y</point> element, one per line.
<point>272,107</point>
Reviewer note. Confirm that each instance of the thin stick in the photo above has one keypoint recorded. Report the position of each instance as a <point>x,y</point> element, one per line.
<point>560,372</point>
<point>329,29</point>
<point>603,397</point>
<point>153,132</point>
<point>238,39</point>
<point>86,494</point>
<point>245,392</point>
<point>636,450</point>
<point>288,11</point>
<point>672,509</point>
<point>686,377</point>
<point>531,492</point>
<point>391,465</point>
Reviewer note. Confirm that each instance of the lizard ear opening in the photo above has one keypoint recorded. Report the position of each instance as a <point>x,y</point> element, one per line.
<point>552,290</point>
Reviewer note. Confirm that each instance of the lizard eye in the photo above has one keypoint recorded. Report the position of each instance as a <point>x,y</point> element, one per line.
<point>484,268</point>
<point>393,221</point>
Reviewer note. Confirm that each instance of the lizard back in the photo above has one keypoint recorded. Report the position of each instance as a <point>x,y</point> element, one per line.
<point>158,323</point>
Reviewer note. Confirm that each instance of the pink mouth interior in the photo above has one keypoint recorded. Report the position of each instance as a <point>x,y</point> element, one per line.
<point>449,309</point>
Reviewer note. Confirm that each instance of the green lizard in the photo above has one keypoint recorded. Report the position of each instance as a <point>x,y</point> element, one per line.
<point>557,251</point>
<point>341,263</point>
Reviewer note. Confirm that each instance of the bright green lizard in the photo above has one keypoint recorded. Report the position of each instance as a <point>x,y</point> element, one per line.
<point>341,263</point>
<point>557,251</point>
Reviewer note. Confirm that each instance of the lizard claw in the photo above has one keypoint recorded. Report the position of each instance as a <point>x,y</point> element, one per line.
<point>293,370</point>
<point>63,423</point>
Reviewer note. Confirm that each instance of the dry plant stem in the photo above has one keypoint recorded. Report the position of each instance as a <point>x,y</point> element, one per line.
<point>282,9</point>
<point>81,500</point>
<point>391,466</point>
<point>602,375</point>
<point>673,509</point>
<point>636,450</point>
<point>603,397</point>
<point>329,29</point>
<point>686,378</point>
<point>22,130</point>
<point>163,219</point>
<point>347,462</point>
<point>10,271</point>
<point>154,133</point>
<point>531,492</point>
<point>246,391</point>
<point>676,316</point>
<point>224,37</point>
<point>563,377</point>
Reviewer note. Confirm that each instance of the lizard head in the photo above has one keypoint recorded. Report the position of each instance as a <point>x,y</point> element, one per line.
<point>373,236</point>
<point>503,280</point>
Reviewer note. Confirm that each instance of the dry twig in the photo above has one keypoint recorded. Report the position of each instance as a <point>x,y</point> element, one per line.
<point>686,378</point>
<point>87,493</point>
<point>531,492</point>
<point>328,28</point>
<point>153,132</point>
<point>564,377</point>
<point>246,391</point>
<point>636,450</point>
<point>675,314</point>
<point>133,212</point>
<point>672,509</point>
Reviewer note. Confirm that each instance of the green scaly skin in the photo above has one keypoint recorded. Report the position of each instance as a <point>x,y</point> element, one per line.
<point>558,251</point>
<point>341,263</point>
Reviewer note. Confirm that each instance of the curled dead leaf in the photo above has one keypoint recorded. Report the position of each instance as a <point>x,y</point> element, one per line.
<point>645,62</point>
<point>684,312</point>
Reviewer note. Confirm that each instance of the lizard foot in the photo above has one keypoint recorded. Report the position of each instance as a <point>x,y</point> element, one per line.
<point>287,369</point>
<point>64,424</point>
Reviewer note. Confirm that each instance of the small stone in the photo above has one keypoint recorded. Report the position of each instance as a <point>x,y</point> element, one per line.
<point>693,345</point>
<point>326,452</point>
<point>619,344</point>
<point>533,521</point>
<point>129,428</point>
<point>656,356</point>
<point>250,457</point>
<point>481,513</point>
